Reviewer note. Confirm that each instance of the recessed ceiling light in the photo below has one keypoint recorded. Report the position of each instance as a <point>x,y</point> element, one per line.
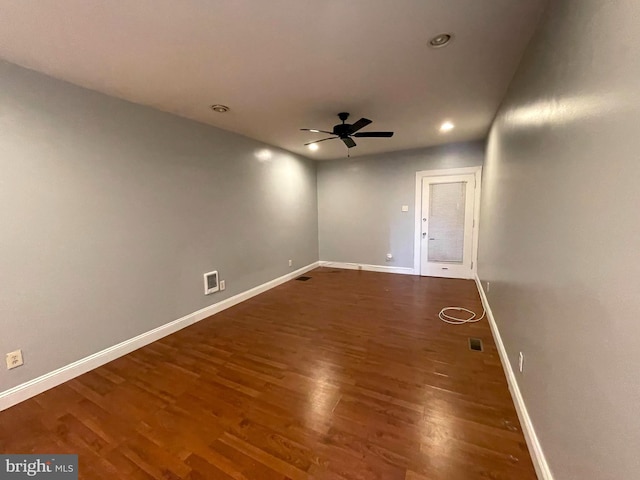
<point>313,146</point>
<point>440,40</point>
<point>447,127</point>
<point>219,108</point>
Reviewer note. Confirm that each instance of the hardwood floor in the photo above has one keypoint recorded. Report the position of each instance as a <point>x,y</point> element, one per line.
<point>349,375</point>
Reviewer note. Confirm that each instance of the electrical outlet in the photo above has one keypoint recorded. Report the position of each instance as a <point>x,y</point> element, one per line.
<point>521,362</point>
<point>14,359</point>
<point>223,285</point>
<point>488,287</point>
<point>389,257</point>
<point>291,263</point>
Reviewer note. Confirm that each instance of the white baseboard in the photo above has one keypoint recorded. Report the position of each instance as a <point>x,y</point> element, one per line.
<point>369,268</point>
<point>29,389</point>
<point>535,449</point>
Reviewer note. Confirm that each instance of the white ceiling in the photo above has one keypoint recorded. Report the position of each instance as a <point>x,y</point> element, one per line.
<point>286,64</point>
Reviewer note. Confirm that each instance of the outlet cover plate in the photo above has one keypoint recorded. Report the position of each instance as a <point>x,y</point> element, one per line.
<point>521,362</point>
<point>14,359</point>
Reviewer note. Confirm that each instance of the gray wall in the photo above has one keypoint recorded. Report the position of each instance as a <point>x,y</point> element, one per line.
<point>560,235</point>
<point>360,200</point>
<point>111,212</point>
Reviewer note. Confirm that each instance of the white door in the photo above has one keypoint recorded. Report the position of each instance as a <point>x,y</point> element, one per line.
<point>447,226</point>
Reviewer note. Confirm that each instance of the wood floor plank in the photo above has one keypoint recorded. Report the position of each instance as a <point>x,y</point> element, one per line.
<point>347,376</point>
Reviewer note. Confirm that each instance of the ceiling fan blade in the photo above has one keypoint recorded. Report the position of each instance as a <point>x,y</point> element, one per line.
<point>348,141</point>
<point>316,141</point>
<point>373,134</point>
<point>363,122</point>
<point>315,130</point>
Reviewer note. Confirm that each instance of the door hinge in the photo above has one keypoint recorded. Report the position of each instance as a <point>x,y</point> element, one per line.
<point>471,265</point>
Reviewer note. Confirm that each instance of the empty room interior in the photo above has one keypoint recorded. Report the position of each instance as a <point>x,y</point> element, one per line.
<point>301,240</point>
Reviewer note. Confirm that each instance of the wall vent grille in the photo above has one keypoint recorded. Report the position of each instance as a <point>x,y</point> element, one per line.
<point>211,284</point>
<point>475,344</point>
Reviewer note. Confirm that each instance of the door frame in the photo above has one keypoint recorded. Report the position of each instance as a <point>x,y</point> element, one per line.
<point>417,242</point>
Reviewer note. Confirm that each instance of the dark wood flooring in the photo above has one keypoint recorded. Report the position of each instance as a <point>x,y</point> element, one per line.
<point>349,375</point>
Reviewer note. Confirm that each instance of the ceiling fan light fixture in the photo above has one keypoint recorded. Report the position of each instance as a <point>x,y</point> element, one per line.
<point>219,108</point>
<point>441,40</point>
<point>314,130</point>
<point>313,147</point>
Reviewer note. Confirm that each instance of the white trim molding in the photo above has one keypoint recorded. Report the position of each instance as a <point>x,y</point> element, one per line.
<point>29,389</point>
<point>535,449</point>
<point>417,241</point>
<point>369,268</point>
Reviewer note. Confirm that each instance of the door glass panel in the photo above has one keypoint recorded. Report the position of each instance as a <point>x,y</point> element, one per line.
<point>446,222</point>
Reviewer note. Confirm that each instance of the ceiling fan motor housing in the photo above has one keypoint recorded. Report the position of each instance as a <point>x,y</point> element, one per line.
<point>342,130</point>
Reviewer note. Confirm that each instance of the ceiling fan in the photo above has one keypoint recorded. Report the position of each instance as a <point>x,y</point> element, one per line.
<point>345,131</point>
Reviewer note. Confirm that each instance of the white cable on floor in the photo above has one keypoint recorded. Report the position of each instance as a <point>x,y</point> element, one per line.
<point>459,321</point>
